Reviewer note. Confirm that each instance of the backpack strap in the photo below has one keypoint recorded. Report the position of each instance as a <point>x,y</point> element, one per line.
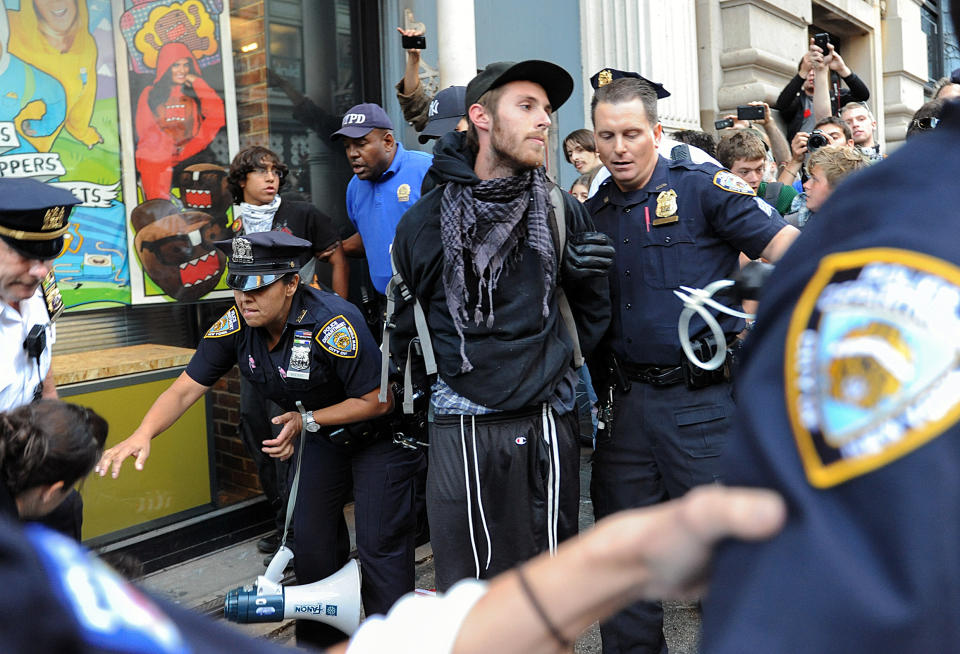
<point>772,192</point>
<point>422,344</point>
<point>560,230</point>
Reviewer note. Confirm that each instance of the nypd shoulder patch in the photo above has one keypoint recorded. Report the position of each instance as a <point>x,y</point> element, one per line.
<point>872,367</point>
<point>730,182</point>
<point>229,323</point>
<point>339,338</point>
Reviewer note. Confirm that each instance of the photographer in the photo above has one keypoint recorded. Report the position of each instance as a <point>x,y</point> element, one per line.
<point>796,101</point>
<point>827,131</point>
<point>770,132</point>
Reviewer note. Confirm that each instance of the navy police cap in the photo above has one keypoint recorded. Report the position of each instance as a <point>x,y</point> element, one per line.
<point>34,216</point>
<point>607,75</point>
<point>260,259</point>
<point>361,119</point>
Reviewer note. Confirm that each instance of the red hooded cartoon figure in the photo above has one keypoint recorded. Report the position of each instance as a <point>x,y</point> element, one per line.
<point>177,117</point>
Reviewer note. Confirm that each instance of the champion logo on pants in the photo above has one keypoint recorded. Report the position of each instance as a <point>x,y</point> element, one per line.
<point>520,440</point>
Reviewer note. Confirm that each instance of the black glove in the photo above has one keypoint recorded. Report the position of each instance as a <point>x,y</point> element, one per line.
<point>588,254</point>
<point>750,279</point>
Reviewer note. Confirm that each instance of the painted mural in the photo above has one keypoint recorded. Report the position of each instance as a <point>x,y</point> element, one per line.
<point>58,124</point>
<point>179,120</point>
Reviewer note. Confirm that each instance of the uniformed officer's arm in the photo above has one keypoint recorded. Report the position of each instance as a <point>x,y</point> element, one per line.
<point>779,244</point>
<point>353,409</point>
<point>165,411</point>
<point>50,386</point>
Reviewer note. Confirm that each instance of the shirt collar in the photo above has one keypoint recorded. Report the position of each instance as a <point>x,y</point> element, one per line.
<point>298,312</point>
<point>659,181</point>
<point>395,164</point>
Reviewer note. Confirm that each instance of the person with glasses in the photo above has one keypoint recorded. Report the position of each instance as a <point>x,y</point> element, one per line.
<point>926,118</point>
<point>308,351</point>
<point>255,179</point>
<point>33,220</point>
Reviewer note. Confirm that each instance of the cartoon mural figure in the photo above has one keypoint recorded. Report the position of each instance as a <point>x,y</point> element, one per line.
<point>203,187</point>
<point>176,249</point>
<point>53,36</point>
<point>34,101</point>
<point>176,25</point>
<point>177,117</point>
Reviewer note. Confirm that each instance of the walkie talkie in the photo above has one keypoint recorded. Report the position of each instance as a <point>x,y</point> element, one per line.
<point>36,341</point>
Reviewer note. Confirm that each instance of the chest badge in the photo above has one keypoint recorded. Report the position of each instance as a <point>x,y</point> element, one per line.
<point>666,208</point>
<point>299,364</point>
<point>403,193</point>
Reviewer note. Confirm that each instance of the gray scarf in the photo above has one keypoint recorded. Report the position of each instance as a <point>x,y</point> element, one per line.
<point>258,218</point>
<point>485,220</point>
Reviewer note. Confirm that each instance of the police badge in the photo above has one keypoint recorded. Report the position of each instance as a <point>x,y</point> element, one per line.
<point>666,208</point>
<point>403,193</point>
<point>242,251</point>
<point>872,368</point>
<point>299,362</point>
<point>604,77</point>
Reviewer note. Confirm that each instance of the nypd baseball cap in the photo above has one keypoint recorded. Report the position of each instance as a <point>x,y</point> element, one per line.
<point>259,259</point>
<point>555,80</point>
<point>445,111</point>
<point>606,75</point>
<point>362,118</point>
<point>34,216</point>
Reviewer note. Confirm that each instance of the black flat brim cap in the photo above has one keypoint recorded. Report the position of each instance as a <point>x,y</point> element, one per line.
<point>555,80</point>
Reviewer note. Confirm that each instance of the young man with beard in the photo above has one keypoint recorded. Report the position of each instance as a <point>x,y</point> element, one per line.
<point>480,251</point>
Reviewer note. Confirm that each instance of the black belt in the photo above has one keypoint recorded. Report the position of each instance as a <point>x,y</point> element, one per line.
<point>653,375</point>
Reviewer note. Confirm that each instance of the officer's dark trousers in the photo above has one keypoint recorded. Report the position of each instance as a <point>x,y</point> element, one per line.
<point>256,411</point>
<point>666,440</point>
<point>489,492</point>
<point>381,476</point>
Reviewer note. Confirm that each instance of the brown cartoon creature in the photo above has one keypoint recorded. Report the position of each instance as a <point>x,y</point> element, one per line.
<point>203,187</point>
<point>176,249</point>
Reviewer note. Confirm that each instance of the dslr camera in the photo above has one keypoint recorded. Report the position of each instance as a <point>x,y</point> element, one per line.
<point>817,140</point>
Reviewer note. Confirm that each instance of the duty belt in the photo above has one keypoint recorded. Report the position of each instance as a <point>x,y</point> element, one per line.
<point>653,375</point>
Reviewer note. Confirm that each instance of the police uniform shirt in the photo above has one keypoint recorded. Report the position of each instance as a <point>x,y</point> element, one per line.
<point>667,145</point>
<point>687,226</point>
<point>325,355</point>
<point>21,374</point>
<point>375,207</point>
<point>853,376</point>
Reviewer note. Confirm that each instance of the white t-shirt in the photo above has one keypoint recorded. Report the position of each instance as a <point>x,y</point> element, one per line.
<point>20,371</point>
<point>666,145</point>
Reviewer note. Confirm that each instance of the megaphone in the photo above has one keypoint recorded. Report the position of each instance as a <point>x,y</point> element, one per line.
<point>334,600</point>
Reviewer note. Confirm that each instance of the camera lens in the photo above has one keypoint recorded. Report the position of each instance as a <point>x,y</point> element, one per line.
<point>816,141</point>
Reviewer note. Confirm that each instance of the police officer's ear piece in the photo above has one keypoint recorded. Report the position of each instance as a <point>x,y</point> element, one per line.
<point>588,254</point>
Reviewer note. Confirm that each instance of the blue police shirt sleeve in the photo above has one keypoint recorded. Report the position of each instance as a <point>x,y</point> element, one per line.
<point>743,220</point>
<point>217,351</point>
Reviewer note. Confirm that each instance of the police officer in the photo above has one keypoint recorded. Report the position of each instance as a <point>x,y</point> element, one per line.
<point>296,343</point>
<point>674,223</point>
<point>854,362</point>
<point>34,217</point>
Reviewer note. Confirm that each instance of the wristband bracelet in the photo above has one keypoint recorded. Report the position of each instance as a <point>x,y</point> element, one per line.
<point>551,628</point>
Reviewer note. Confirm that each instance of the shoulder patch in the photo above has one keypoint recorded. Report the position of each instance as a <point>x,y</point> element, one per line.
<point>730,182</point>
<point>872,367</point>
<point>339,338</point>
<point>229,323</point>
<point>765,206</point>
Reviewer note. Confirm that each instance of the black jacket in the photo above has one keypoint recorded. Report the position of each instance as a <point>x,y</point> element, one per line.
<point>791,108</point>
<point>519,361</point>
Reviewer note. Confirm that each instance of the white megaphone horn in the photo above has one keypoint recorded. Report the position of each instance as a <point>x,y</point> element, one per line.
<point>334,600</point>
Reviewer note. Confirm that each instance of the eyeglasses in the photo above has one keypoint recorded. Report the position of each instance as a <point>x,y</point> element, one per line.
<point>263,171</point>
<point>929,122</point>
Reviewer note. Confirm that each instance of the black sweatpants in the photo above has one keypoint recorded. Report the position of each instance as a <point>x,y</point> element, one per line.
<point>501,488</point>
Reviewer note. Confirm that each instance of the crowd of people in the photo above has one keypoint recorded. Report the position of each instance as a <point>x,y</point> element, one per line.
<point>495,294</point>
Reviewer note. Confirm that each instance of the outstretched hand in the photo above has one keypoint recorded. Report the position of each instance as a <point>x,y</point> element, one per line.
<point>135,445</point>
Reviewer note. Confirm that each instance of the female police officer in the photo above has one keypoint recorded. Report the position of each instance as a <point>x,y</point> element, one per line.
<point>295,343</point>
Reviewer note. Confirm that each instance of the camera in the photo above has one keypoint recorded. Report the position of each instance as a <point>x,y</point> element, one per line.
<point>751,112</point>
<point>418,42</point>
<point>726,123</point>
<point>817,140</point>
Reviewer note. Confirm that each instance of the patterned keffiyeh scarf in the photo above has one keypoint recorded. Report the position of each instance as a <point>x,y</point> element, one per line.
<point>485,221</point>
<point>258,217</point>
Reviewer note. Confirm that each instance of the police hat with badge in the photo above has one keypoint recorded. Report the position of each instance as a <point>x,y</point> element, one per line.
<point>34,217</point>
<point>258,260</point>
<point>606,75</point>
<point>445,111</point>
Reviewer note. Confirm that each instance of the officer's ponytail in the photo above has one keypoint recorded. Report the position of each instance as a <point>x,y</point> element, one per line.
<point>47,442</point>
